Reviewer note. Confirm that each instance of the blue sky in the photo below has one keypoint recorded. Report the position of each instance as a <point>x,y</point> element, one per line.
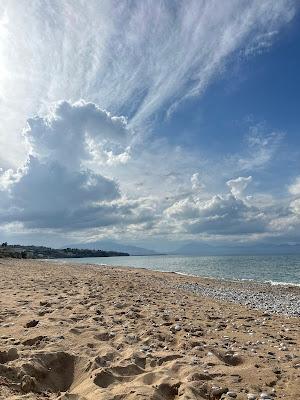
<point>153,123</point>
<point>262,88</point>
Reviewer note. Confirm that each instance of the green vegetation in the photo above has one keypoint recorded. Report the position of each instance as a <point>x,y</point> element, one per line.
<point>18,251</point>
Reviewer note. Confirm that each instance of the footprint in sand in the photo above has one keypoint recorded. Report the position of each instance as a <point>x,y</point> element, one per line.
<point>108,376</point>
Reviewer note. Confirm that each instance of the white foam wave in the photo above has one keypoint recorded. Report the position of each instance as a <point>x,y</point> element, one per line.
<point>278,283</point>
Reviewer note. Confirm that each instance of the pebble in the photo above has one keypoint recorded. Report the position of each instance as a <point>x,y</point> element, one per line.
<point>231,394</point>
<point>265,396</point>
<point>131,339</point>
<point>251,396</point>
<point>216,391</point>
<point>31,324</point>
<point>12,353</point>
<point>175,328</point>
<point>257,296</point>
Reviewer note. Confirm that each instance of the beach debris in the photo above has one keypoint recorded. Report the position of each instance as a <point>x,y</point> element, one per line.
<point>32,323</point>
<point>28,383</point>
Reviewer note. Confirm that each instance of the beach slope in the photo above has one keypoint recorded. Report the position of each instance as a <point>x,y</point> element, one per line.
<point>85,332</point>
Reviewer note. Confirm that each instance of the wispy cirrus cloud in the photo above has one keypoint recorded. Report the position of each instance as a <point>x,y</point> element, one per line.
<point>135,57</point>
<point>260,148</point>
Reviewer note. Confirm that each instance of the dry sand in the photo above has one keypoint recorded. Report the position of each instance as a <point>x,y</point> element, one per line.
<point>85,332</point>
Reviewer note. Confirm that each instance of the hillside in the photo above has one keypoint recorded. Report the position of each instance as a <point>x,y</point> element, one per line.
<point>19,251</point>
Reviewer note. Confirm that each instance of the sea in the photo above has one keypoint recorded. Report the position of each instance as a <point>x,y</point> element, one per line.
<point>276,270</point>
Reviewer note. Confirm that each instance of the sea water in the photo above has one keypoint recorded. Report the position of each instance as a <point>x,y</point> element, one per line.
<point>277,269</point>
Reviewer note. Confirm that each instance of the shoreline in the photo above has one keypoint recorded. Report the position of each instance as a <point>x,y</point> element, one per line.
<point>86,262</point>
<point>84,332</point>
<point>278,298</point>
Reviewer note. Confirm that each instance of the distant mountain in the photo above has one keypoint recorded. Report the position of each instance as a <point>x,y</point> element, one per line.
<point>111,245</point>
<point>200,248</point>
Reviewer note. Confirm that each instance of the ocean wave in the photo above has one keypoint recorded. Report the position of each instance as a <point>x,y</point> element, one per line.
<point>277,283</point>
<point>157,268</point>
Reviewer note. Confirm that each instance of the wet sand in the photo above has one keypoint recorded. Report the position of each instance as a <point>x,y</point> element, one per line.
<point>88,332</point>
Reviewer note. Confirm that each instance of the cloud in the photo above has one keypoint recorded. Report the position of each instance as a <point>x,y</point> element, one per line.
<point>67,184</point>
<point>221,214</point>
<point>47,191</point>
<point>227,215</point>
<point>136,58</point>
<point>290,222</point>
<point>238,185</point>
<point>261,43</point>
<point>293,221</point>
<point>294,188</point>
<point>196,182</point>
<point>261,148</point>
<point>139,59</point>
<point>69,133</point>
<point>295,207</point>
<point>55,189</point>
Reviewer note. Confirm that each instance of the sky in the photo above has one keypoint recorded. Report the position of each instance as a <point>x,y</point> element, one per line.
<point>154,123</point>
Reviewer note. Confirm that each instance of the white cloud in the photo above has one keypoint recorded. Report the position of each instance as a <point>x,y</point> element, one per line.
<point>6,178</point>
<point>260,150</point>
<point>261,43</point>
<point>295,207</point>
<point>219,215</point>
<point>67,134</point>
<point>55,189</point>
<point>238,185</point>
<point>140,59</point>
<point>135,58</point>
<point>68,184</point>
<point>197,185</point>
<point>294,188</point>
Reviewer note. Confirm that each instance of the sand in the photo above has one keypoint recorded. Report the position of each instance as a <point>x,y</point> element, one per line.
<point>85,332</point>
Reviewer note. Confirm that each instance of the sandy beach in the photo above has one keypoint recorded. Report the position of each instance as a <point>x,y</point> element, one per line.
<point>85,332</point>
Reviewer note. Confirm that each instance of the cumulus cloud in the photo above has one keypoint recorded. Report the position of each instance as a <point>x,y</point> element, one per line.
<point>294,188</point>
<point>238,185</point>
<point>196,182</point>
<point>220,214</point>
<point>69,132</point>
<point>295,206</point>
<point>47,191</point>
<point>55,189</point>
<point>290,221</point>
<point>225,215</point>
<point>294,216</point>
